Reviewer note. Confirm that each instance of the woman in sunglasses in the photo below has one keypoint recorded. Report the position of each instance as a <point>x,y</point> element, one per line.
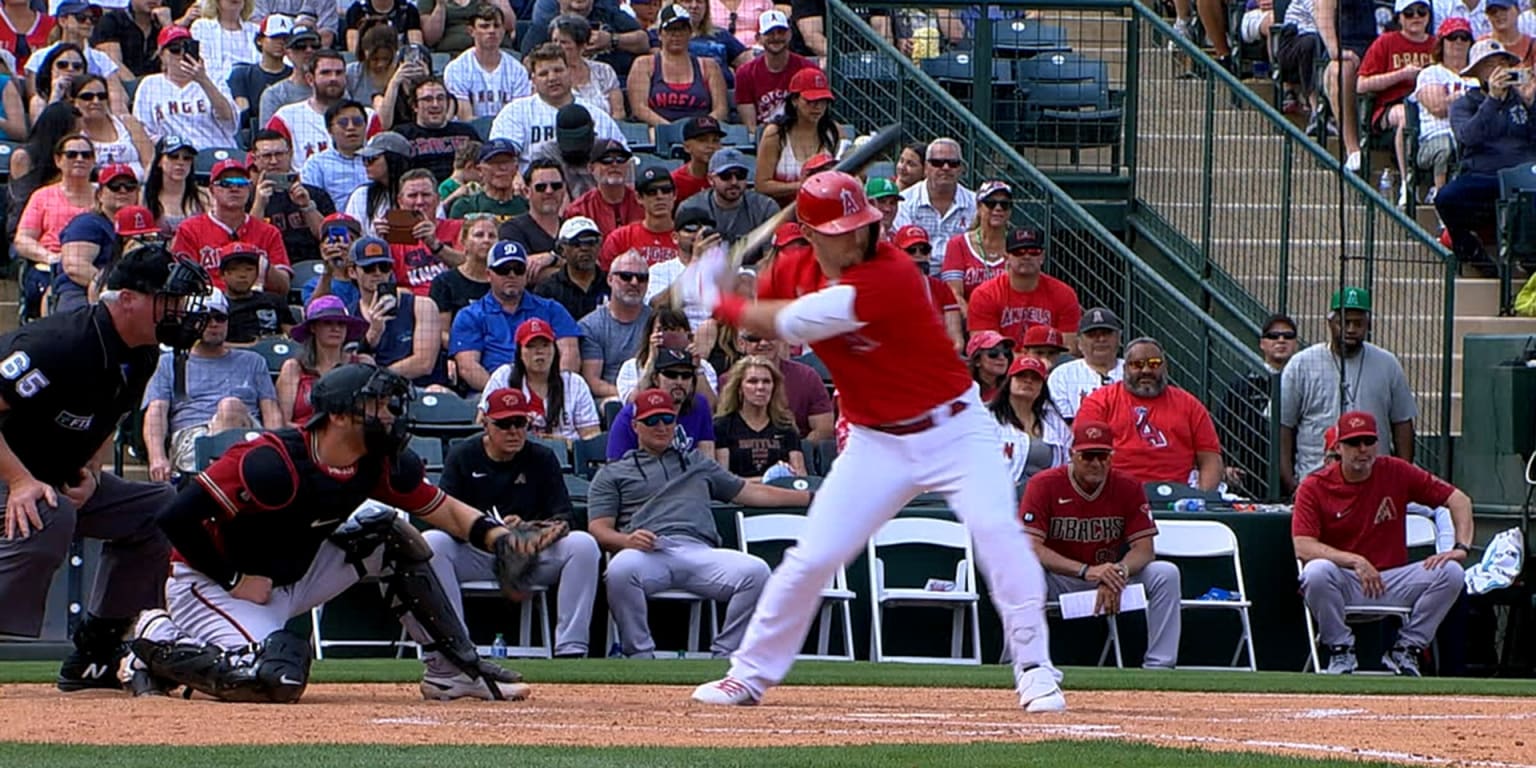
<point>560,402</point>
<point>89,242</point>
<point>52,206</point>
<point>326,334</point>
<point>76,21</point>
<point>118,138</point>
<point>1033,435</point>
<point>62,65</point>
<point>977,256</point>
<point>989,354</point>
<point>754,428</point>
<point>169,192</point>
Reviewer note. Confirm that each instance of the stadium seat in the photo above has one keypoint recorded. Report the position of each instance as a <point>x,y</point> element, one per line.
<point>202,167</point>
<point>430,449</point>
<point>669,141</point>
<point>210,447</point>
<point>439,61</point>
<point>695,621</point>
<point>637,136</point>
<point>537,599</point>
<point>963,599</point>
<point>610,412</point>
<point>1017,38</point>
<point>1191,539</point>
<point>443,415</point>
<point>276,350</point>
<point>482,126</point>
<point>558,447</point>
<point>737,136</point>
<point>589,454</point>
<point>785,529</point>
<point>1062,68</point>
<point>577,487</point>
<point>1517,215</point>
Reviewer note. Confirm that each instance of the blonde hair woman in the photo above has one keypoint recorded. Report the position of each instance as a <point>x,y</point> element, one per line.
<point>754,428</point>
<point>976,256</point>
<point>226,36</point>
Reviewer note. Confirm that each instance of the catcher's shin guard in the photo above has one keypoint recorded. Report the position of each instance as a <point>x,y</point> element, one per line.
<point>277,673</point>
<point>409,583</point>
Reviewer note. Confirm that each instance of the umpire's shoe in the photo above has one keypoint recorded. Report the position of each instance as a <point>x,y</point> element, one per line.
<point>462,686</point>
<point>99,651</point>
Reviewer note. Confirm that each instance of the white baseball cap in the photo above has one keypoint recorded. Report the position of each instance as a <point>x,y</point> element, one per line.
<point>576,226</point>
<point>770,20</point>
<point>216,302</point>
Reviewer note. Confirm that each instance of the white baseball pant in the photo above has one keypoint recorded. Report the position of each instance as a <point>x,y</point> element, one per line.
<point>873,478</point>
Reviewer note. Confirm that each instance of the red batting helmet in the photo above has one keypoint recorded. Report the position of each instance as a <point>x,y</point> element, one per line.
<point>833,203</point>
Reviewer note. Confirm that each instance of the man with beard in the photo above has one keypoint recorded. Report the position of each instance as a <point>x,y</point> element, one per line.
<point>545,186</point>
<point>613,202</point>
<point>498,184</point>
<point>484,333</point>
<point>534,118</point>
<point>1162,433</point>
<point>1311,396</point>
<point>340,170</point>
<point>304,123</point>
<point>676,373</point>
<point>434,136</point>
<point>735,209</point>
<point>653,234</point>
<point>762,84</point>
<point>572,149</point>
<point>579,286</point>
<point>611,333</point>
<point>296,209</point>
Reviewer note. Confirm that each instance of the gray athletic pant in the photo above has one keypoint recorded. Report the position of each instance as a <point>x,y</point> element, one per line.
<point>680,562</point>
<point>135,555</point>
<point>570,562</point>
<point>1428,594</point>
<point>1164,620</point>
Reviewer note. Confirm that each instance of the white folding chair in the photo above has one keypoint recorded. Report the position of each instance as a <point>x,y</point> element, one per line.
<point>525,647</point>
<point>1111,641</point>
<point>317,639</point>
<point>836,594</point>
<point>936,533</point>
<point>695,619</point>
<point>1421,532</point>
<point>1209,539</point>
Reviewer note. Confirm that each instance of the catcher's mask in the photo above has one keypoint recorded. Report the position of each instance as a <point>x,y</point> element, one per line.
<point>366,390</point>
<point>178,288</point>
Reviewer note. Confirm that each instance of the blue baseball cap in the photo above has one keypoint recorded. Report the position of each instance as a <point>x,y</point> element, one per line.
<point>371,250</point>
<point>505,252</point>
<point>496,147</point>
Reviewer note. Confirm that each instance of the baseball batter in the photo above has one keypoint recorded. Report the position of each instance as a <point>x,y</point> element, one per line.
<point>268,532</point>
<point>909,434</point>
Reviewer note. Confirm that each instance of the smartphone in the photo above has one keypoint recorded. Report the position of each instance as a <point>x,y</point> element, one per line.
<point>340,233</point>
<point>192,49</point>
<point>674,339</point>
<point>1522,76</point>
<point>282,180</point>
<point>387,297</point>
<point>401,222</point>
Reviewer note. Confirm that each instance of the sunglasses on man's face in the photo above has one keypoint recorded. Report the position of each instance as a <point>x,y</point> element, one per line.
<point>92,96</point>
<point>88,17</point>
<point>633,277</point>
<point>1359,442</point>
<point>751,339</point>
<point>352,121</point>
<point>657,191</point>
<point>1280,335</point>
<point>304,46</point>
<point>1415,11</point>
<point>511,422</point>
<point>658,419</point>
<point>920,250</point>
<point>78,154</point>
<point>517,268</point>
<point>734,174</point>
<point>238,182</point>
<point>375,269</point>
<point>1149,364</point>
<point>1093,457</point>
<point>676,374</point>
<point>549,186</point>
<point>123,186</point>
<point>612,160</point>
<point>584,242</point>
<point>944,162</point>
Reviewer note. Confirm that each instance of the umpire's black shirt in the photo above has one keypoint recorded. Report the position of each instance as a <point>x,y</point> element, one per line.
<point>530,485</point>
<point>68,379</point>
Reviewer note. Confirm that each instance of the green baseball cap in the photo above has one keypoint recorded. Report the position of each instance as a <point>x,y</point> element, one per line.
<point>879,187</point>
<point>1350,298</point>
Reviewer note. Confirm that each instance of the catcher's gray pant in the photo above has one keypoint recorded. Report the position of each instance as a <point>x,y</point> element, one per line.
<point>680,562</point>
<point>1428,594</point>
<point>1164,621</point>
<point>571,562</point>
<point>134,553</point>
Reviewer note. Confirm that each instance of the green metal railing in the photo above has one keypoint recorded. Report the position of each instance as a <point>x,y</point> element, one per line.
<point>1265,219</point>
<point>876,85</point>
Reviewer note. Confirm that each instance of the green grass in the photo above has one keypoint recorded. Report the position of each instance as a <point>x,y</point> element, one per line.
<point>674,672</point>
<point>1048,754</point>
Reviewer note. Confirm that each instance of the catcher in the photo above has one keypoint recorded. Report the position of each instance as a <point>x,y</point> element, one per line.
<point>269,531</point>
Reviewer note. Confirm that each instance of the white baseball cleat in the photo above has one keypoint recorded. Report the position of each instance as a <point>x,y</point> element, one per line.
<point>462,686</point>
<point>728,692</point>
<point>1038,691</point>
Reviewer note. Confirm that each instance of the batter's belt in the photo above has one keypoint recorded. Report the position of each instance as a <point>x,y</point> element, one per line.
<point>920,424</point>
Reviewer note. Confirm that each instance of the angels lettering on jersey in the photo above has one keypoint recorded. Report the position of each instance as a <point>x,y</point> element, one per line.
<point>1148,431</point>
<point>169,109</point>
<point>1025,316</point>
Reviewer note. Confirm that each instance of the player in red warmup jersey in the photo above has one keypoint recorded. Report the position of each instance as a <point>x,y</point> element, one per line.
<point>909,434</point>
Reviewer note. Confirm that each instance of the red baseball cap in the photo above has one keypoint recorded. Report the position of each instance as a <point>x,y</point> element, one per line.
<point>1092,436</point>
<point>535,328</point>
<point>1044,336</point>
<point>506,402</point>
<point>818,162</point>
<point>787,233</point>
<point>985,340</point>
<point>1356,424</point>
<point>810,84</point>
<point>236,251</point>
<point>135,220</point>
<point>1024,364</point>
<point>171,34</point>
<point>653,401</point>
<point>107,173</point>
<point>229,164</point>
<point>1453,24</point>
<point>910,235</point>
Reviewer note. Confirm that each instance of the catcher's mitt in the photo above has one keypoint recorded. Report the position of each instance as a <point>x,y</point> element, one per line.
<point>516,551</point>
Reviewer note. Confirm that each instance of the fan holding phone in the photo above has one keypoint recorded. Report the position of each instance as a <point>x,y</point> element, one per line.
<point>184,100</point>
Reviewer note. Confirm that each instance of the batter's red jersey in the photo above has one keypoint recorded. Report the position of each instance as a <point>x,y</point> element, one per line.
<point>200,237</point>
<point>1366,518</point>
<point>654,247</point>
<point>1089,528</point>
<point>1156,438</point>
<point>792,273</point>
<point>901,363</point>
<point>996,306</point>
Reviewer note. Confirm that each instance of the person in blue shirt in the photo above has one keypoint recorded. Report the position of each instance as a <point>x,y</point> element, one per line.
<point>484,333</point>
<point>676,373</point>
<point>337,234</point>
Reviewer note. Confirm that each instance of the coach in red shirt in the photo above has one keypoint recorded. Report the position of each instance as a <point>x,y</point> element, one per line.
<point>1348,525</point>
<point>1023,295</point>
<point>1083,515</point>
<point>1162,433</point>
<point>200,237</point>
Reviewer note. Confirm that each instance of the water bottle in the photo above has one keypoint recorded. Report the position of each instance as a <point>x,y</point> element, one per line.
<point>1387,186</point>
<point>1189,505</point>
<point>499,647</point>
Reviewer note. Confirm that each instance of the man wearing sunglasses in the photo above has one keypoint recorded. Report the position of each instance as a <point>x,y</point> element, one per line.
<point>403,333</point>
<point>538,229</point>
<point>613,202</point>
<point>653,236</point>
<point>939,204</point>
<point>302,45</point>
<point>610,335</point>
<point>1348,526</point>
<point>579,285</point>
<point>182,100</point>
<point>200,237</point>
<point>912,240</point>
<point>1023,295</point>
<point>1163,434</point>
<point>1246,415</point>
<point>484,333</point>
<point>1093,530</point>
<point>651,508</point>
<point>735,209</point>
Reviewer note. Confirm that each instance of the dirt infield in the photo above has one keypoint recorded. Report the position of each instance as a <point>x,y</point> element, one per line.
<point>1492,732</point>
